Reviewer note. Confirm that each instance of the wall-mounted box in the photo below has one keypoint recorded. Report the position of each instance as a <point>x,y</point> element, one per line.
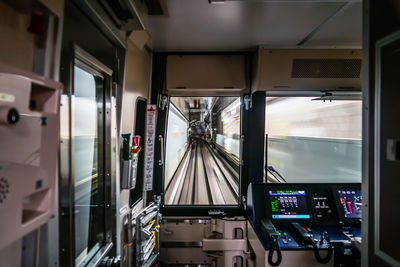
<point>193,75</point>
<point>129,172</point>
<point>307,70</point>
<point>28,151</point>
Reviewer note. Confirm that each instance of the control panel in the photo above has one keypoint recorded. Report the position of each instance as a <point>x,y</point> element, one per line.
<point>315,204</point>
<point>301,217</point>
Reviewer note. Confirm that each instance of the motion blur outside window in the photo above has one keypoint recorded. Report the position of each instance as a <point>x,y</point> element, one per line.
<point>87,147</point>
<point>202,151</point>
<point>313,139</point>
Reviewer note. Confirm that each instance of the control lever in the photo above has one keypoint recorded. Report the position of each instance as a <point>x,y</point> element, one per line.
<point>304,238</point>
<point>269,230</point>
<point>300,234</point>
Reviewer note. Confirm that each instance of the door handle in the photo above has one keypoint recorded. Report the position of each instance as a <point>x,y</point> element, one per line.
<point>161,139</point>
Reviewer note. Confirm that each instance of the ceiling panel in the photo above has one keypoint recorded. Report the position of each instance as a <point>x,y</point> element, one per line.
<point>344,30</point>
<point>196,25</point>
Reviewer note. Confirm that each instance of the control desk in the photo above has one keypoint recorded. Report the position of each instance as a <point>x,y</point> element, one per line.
<point>305,224</point>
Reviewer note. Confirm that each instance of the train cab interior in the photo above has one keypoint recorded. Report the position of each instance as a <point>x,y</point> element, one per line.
<point>181,133</point>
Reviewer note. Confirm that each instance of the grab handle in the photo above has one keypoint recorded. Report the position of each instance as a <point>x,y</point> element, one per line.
<point>161,161</point>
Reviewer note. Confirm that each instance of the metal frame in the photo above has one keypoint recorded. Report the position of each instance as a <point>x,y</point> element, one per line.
<point>79,57</point>
<point>66,195</point>
<point>89,60</point>
<point>377,173</point>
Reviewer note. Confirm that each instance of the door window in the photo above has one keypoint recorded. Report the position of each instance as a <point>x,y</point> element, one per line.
<point>87,158</point>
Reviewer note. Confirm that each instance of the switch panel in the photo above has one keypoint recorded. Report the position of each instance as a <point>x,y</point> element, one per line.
<point>322,206</point>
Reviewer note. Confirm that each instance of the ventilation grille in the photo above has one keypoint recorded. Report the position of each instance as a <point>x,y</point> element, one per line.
<point>326,68</point>
<point>4,189</point>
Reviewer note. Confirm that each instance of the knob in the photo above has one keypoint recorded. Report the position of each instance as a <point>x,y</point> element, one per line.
<point>8,115</point>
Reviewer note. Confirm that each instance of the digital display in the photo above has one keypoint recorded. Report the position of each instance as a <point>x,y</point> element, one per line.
<point>289,204</point>
<point>351,202</point>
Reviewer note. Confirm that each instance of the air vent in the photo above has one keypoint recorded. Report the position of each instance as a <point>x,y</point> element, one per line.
<point>4,189</point>
<point>326,68</point>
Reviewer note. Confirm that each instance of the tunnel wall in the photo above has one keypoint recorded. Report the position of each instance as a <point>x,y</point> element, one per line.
<point>176,142</point>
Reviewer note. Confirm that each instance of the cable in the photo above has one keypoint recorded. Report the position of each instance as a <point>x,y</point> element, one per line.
<point>274,247</point>
<point>328,257</point>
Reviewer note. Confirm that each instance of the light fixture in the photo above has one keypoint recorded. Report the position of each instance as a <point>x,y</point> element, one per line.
<point>216,1</point>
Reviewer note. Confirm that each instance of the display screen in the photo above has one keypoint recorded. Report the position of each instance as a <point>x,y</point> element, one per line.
<point>289,204</point>
<point>351,202</point>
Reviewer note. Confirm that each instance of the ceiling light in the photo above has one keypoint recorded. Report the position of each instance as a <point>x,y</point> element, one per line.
<point>216,1</point>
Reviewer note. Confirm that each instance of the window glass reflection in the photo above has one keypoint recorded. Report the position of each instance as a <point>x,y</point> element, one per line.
<point>86,104</point>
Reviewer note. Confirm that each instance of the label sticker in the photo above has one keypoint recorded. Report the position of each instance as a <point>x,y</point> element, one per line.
<point>124,210</point>
<point>7,97</point>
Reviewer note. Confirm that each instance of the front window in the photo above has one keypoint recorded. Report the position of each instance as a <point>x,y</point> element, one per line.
<point>202,151</point>
<point>313,139</point>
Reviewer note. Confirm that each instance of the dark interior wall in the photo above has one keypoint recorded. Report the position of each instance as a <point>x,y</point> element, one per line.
<point>380,18</point>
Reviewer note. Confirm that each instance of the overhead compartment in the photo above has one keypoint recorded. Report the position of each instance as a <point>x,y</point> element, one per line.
<point>307,70</point>
<point>206,74</point>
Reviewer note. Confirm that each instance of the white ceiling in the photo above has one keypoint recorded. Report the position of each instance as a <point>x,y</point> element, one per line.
<point>196,25</point>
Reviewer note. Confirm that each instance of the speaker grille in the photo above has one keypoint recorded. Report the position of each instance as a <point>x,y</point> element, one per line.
<point>326,68</point>
<point>4,189</point>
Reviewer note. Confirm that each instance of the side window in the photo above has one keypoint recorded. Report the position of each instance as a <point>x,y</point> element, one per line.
<point>85,146</point>
<point>88,157</point>
<point>313,139</point>
<point>202,151</point>
<point>140,129</point>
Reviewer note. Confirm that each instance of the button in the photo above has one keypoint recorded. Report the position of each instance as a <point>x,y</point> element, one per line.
<point>284,241</point>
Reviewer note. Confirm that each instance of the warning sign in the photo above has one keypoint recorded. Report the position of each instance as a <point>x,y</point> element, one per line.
<point>150,139</point>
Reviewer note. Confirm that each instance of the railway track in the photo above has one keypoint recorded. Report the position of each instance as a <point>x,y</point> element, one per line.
<point>203,177</point>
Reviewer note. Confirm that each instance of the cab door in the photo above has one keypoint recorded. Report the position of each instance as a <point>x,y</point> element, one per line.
<point>381,157</point>
<point>90,71</point>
